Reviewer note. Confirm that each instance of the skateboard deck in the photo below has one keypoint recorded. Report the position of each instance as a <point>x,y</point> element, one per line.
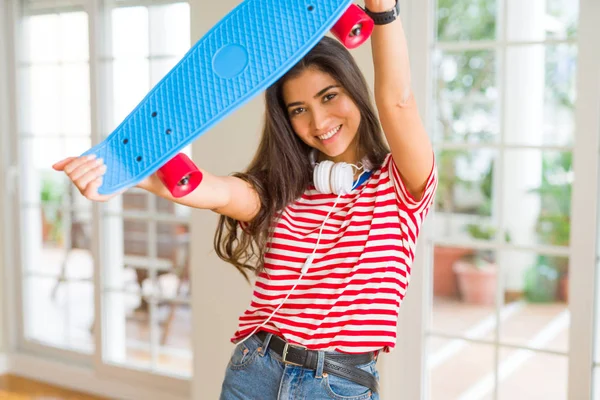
<point>243,54</point>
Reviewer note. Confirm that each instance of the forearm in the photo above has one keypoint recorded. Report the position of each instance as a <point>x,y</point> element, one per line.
<point>390,57</point>
<point>225,195</point>
<point>398,112</point>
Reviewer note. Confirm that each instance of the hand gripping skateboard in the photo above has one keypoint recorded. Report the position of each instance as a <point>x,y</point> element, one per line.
<point>243,54</point>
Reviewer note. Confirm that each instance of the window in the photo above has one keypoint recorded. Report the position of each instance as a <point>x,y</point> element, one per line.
<point>58,273</point>
<point>146,293</point>
<point>143,241</point>
<point>503,104</point>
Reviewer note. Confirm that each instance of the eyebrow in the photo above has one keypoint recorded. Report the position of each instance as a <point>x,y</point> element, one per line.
<point>297,103</point>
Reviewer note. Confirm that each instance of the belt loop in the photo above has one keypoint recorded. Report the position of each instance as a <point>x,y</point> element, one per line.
<point>320,362</point>
<point>265,344</point>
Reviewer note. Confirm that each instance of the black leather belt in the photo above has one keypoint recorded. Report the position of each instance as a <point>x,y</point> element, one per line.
<point>339,364</point>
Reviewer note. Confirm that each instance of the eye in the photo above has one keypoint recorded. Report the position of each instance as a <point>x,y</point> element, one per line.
<point>329,96</point>
<point>296,111</point>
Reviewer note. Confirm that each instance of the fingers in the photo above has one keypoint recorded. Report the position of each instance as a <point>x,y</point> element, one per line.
<point>91,189</point>
<point>59,166</point>
<point>85,172</point>
<point>80,166</point>
<point>77,171</point>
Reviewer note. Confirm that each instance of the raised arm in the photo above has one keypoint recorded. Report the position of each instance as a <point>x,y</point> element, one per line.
<point>398,113</point>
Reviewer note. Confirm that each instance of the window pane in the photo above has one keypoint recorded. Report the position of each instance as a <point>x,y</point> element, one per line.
<point>60,314</point>
<point>43,152</point>
<point>167,37</point>
<point>540,86</point>
<point>75,100</point>
<point>543,19</point>
<point>464,20</point>
<point>127,335</point>
<point>464,287</point>
<point>73,45</point>
<point>130,32</point>
<point>458,369</point>
<point>466,98</point>
<point>537,197</point>
<point>147,251</point>
<point>42,84</point>
<point>175,324</point>
<point>131,85</point>
<point>54,122</point>
<point>526,374</point>
<point>138,200</point>
<point>465,194</point>
<point>536,285</point>
<point>42,41</point>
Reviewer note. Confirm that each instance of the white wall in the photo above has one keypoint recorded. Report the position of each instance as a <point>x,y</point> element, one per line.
<point>220,294</point>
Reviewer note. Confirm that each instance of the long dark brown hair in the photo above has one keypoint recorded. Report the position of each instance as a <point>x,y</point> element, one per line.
<point>281,169</point>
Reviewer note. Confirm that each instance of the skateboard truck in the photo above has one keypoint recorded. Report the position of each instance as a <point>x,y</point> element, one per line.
<point>180,175</point>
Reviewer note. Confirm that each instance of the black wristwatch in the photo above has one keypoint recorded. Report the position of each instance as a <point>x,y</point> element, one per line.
<point>382,18</point>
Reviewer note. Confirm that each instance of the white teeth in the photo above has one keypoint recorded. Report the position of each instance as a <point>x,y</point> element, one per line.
<point>330,133</point>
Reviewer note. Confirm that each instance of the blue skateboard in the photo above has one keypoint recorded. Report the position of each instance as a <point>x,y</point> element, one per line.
<point>243,54</point>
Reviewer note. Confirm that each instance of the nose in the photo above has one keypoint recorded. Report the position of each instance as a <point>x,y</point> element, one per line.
<point>319,118</point>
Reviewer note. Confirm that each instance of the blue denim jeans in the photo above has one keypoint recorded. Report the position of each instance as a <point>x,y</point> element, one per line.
<point>256,374</point>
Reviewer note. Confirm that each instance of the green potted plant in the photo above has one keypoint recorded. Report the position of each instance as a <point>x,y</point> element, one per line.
<point>548,279</point>
<point>51,196</point>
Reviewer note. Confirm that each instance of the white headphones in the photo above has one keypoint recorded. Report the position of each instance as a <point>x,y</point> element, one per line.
<point>336,178</point>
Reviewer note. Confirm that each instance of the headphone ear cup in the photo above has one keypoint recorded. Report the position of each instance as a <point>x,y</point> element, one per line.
<point>321,176</point>
<point>342,178</point>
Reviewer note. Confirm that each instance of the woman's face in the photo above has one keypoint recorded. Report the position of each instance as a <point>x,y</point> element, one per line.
<point>322,114</point>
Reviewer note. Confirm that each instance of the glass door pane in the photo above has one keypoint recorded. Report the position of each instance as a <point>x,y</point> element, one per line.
<point>145,294</point>
<point>503,131</point>
<point>54,122</point>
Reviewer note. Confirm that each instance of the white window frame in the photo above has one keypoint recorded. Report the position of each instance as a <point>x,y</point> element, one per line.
<point>88,373</point>
<point>583,284</point>
<point>407,367</point>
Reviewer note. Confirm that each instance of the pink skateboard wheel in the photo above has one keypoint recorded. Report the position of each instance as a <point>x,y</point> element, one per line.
<point>353,28</point>
<point>180,175</point>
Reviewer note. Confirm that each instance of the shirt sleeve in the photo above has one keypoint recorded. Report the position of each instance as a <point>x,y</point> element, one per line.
<point>405,199</point>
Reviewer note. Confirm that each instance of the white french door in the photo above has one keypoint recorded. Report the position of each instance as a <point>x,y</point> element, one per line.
<point>511,103</point>
<point>102,285</point>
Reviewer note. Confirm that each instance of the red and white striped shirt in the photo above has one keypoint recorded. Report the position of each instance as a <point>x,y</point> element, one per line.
<point>349,298</point>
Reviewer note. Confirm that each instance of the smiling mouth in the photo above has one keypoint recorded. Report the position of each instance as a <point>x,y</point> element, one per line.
<point>330,134</point>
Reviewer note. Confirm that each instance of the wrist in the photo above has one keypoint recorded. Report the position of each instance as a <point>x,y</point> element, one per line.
<point>378,6</point>
<point>147,183</point>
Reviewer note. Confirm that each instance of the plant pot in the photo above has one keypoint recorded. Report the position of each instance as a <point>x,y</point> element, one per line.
<point>477,284</point>
<point>445,283</point>
<point>563,288</point>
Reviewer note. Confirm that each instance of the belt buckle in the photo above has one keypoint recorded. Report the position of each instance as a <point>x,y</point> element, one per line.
<point>285,351</point>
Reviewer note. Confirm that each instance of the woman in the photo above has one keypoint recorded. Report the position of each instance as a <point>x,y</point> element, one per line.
<point>332,264</point>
